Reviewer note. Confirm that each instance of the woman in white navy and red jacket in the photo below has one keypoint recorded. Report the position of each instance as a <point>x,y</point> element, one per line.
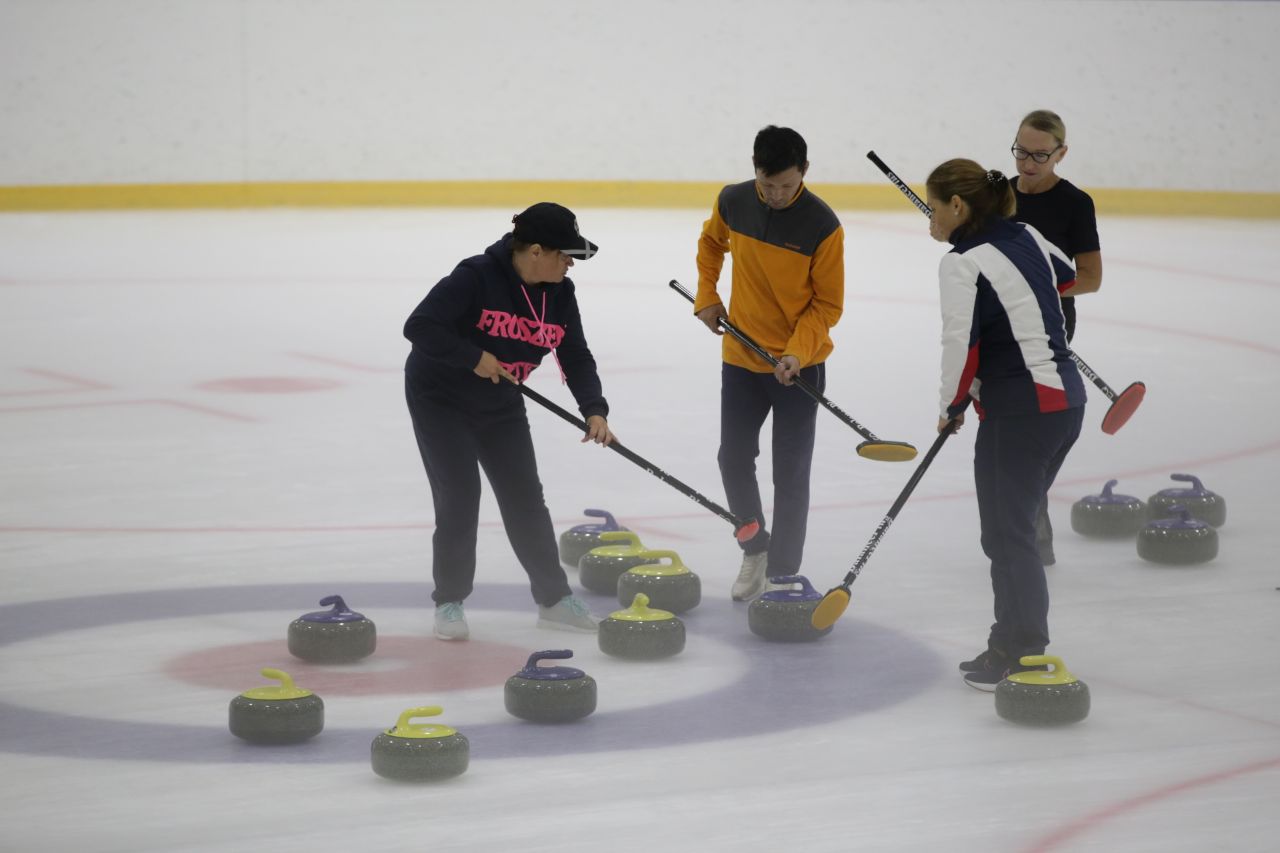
<point>1004,347</point>
<point>483,328</point>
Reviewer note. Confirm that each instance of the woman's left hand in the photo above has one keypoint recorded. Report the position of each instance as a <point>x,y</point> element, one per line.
<point>959,419</point>
<point>598,431</point>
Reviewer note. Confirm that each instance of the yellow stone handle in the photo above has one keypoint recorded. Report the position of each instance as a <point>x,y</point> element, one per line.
<point>1045,660</point>
<point>620,536</point>
<point>656,555</point>
<point>279,675</point>
<point>425,711</point>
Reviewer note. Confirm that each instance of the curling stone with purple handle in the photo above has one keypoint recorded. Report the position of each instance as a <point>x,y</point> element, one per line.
<point>785,615</point>
<point>641,633</point>
<point>600,568</point>
<point>550,694</point>
<point>420,752</point>
<point>1108,514</point>
<point>282,713</point>
<point>1199,501</point>
<point>669,586</point>
<point>578,540</point>
<point>1042,697</point>
<point>1180,540</point>
<point>338,635</point>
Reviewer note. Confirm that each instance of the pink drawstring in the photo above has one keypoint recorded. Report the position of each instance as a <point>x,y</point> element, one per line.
<point>542,328</point>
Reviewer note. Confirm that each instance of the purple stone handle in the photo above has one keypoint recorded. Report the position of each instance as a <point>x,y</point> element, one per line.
<point>550,654</point>
<point>610,523</point>
<point>1106,490</point>
<point>339,606</point>
<point>1196,485</point>
<point>805,586</point>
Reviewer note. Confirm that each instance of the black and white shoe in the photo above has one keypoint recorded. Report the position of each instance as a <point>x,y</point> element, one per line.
<point>987,679</point>
<point>989,659</point>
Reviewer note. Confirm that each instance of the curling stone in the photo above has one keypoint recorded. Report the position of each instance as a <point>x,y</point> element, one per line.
<point>641,633</point>
<point>550,694</point>
<point>1179,540</point>
<point>785,615</point>
<point>282,713</point>
<point>1108,514</point>
<point>338,635</point>
<point>420,752</point>
<point>1042,697</point>
<point>600,568</point>
<point>578,540</point>
<point>669,586</point>
<point>1199,501</point>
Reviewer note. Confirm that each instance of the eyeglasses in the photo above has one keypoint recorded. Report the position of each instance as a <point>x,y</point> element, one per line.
<point>1020,153</point>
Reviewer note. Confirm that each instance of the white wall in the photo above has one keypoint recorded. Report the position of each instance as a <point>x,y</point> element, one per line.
<point>1155,94</point>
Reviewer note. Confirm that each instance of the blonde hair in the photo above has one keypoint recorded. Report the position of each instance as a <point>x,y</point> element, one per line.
<point>986,191</point>
<point>1046,121</point>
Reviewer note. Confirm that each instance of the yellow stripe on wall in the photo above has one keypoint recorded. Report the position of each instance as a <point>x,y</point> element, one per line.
<point>518,194</point>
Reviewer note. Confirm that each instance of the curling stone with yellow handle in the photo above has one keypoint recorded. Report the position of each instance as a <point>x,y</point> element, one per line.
<point>580,539</point>
<point>600,568</point>
<point>785,614</point>
<point>420,752</point>
<point>282,713</point>
<point>641,632</point>
<point>1108,514</point>
<point>550,694</point>
<point>337,635</point>
<point>1042,697</point>
<point>669,586</point>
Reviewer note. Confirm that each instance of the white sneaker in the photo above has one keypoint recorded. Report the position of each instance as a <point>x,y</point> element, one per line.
<point>451,622</point>
<point>568,614</point>
<point>751,580</point>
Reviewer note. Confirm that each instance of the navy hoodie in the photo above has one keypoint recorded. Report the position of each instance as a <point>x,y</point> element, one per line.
<point>484,306</point>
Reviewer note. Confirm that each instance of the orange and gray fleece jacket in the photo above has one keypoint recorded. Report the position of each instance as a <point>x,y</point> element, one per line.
<point>788,274</point>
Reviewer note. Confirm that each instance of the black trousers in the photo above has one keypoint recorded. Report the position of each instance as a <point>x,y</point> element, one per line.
<point>454,448</point>
<point>1044,527</point>
<point>746,399</point>
<point>1015,461</point>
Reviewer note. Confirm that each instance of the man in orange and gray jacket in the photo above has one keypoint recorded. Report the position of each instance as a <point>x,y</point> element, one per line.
<point>787,293</point>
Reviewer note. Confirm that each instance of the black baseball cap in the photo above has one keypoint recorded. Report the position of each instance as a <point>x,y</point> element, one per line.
<point>554,227</point>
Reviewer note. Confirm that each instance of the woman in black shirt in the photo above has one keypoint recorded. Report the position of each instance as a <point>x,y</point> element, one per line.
<point>1064,214</point>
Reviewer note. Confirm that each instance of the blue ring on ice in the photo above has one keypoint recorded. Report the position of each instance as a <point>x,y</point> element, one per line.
<point>860,668</point>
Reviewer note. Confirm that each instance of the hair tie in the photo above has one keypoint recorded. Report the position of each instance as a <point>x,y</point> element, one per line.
<point>994,177</point>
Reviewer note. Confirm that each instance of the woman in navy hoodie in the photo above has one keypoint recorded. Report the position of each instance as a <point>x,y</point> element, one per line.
<point>482,329</point>
<point>1004,348</point>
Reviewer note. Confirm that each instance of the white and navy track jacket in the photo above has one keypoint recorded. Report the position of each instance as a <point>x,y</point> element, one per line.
<point>1004,344</point>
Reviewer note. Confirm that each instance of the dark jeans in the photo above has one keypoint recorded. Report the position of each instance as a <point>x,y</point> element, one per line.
<point>746,399</point>
<point>454,448</point>
<point>1015,461</point>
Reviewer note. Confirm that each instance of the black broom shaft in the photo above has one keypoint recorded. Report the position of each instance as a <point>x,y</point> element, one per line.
<point>899,503</point>
<point>924,208</point>
<point>767,356</point>
<point>637,459</point>
<point>1093,377</point>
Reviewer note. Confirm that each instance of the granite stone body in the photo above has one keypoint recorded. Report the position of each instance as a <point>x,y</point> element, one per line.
<point>420,759</point>
<point>676,593</point>
<point>1108,514</point>
<point>276,721</point>
<point>1042,704</point>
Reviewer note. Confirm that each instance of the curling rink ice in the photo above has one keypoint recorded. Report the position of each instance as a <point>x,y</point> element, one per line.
<point>203,432</point>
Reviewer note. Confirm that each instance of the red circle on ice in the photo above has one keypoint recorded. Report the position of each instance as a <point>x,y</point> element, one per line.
<point>400,665</point>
